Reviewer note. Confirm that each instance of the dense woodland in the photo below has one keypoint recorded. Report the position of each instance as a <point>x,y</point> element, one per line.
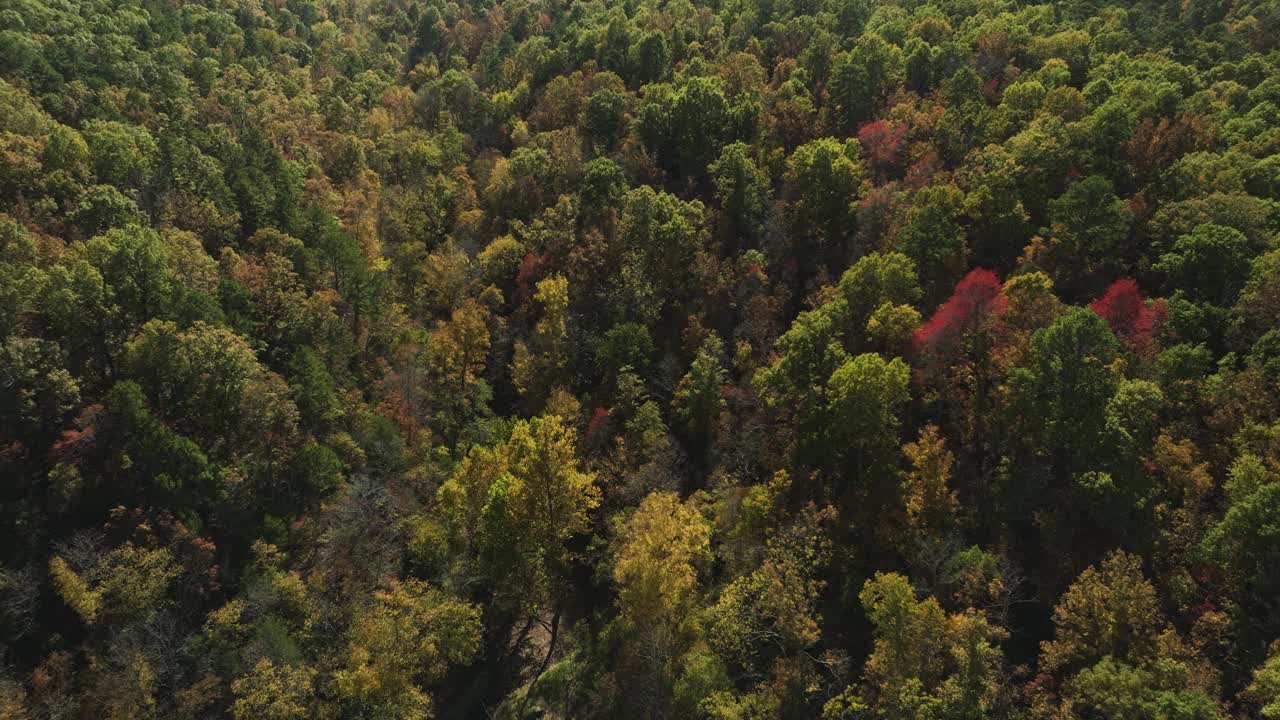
<point>748,359</point>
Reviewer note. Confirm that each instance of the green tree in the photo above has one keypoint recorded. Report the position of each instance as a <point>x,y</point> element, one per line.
<point>926,663</point>
<point>699,399</point>
<point>862,80</point>
<point>744,193</point>
<point>864,396</point>
<point>123,155</point>
<point>604,118</point>
<point>878,278</point>
<point>1265,688</point>
<point>700,125</point>
<point>659,239</point>
<point>1092,225</point>
<point>824,179</point>
<point>1210,264</point>
<point>934,238</point>
<point>39,391</point>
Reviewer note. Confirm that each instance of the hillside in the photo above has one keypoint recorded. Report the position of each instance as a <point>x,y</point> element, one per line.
<point>740,360</point>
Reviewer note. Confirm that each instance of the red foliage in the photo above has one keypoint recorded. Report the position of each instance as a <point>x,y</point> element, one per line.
<point>1042,687</point>
<point>1130,316</point>
<point>991,90</point>
<point>923,169</point>
<point>1204,608</point>
<point>75,443</point>
<point>882,143</point>
<point>978,301</point>
<point>1138,205</point>
<point>876,210</point>
<point>530,272</point>
<point>598,423</point>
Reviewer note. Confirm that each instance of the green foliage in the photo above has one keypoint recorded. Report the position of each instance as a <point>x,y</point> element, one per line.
<point>825,177</point>
<point>698,398</point>
<point>732,359</point>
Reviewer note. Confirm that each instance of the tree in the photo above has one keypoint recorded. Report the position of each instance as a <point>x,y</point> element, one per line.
<point>1112,689</point>
<point>772,611</point>
<point>273,692</point>
<point>404,638</point>
<point>653,57</point>
<point>1210,264</point>
<point>925,662</point>
<point>659,554</point>
<point>134,263</point>
<point>1092,226</point>
<point>552,496</point>
<point>604,117</point>
<point>39,392</point>
<point>1260,299</point>
<point>210,385</point>
<point>877,279</point>
<point>864,395</point>
<point>123,155</point>
<point>975,305</point>
<point>126,584</point>
<point>862,80</point>
<point>1112,611</point>
<point>930,504</point>
<point>659,239</point>
<point>1128,314</point>
<point>824,181</point>
<point>1065,386</point>
<point>933,237</point>
<point>459,354</point>
<point>956,349</point>
<point>534,372</point>
<point>698,399</point>
<point>700,124</point>
<point>794,384</point>
<point>883,143</point>
<point>1246,543</point>
<point>744,192</point>
<point>1265,688</point>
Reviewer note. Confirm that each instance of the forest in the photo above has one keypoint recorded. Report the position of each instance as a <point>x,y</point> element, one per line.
<point>639,359</point>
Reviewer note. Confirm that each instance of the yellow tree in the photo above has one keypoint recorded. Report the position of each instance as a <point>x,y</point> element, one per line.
<point>273,692</point>
<point>405,638</point>
<point>536,498</point>
<point>930,504</point>
<point>925,662</point>
<point>459,353</point>
<point>534,370</point>
<point>659,553</point>
<point>1110,610</point>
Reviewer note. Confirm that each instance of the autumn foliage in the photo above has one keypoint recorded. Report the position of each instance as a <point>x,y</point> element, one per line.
<point>515,359</point>
<point>1131,317</point>
<point>882,143</point>
<point>976,304</point>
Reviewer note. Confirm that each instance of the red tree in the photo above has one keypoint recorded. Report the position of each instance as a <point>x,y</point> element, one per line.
<point>530,272</point>
<point>882,143</point>
<point>977,302</point>
<point>1130,316</point>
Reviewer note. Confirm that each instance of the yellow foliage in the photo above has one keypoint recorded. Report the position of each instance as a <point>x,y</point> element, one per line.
<point>660,550</point>
<point>1109,610</point>
<point>74,591</point>
<point>929,503</point>
<point>1178,462</point>
<point>271,692</point>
